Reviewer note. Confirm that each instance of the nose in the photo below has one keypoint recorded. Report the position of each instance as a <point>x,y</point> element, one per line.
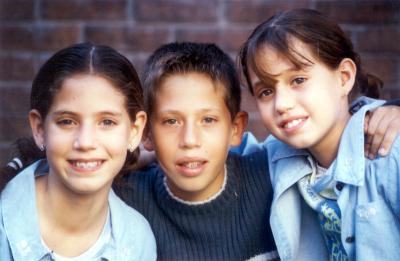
<point>85,138</point>
<point>284,100</point>
<point>190,136</point>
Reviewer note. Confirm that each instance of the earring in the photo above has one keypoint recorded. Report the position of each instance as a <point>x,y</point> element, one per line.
<point>131,148</point>
<point>42,147</point>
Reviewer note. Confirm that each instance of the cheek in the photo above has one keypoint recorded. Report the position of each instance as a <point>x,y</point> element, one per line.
<point>266,113</point>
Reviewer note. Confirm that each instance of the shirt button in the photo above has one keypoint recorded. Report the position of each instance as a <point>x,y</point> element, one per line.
<point>339,186</point>
<point>350,239</point>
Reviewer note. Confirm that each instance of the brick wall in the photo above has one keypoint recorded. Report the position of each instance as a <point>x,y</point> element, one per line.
<point>31,30</point>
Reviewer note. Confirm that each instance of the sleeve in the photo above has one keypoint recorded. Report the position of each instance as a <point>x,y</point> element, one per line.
<point>148,247</point>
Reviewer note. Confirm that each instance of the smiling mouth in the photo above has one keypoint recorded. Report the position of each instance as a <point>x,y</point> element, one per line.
<point>292,124</point>
<point>86,165</point>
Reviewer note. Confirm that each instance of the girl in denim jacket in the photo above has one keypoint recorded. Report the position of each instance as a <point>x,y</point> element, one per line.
<point>329,200</point>
<point>87,120</point>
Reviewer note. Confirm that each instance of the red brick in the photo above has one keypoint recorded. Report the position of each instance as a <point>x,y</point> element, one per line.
<point>127,38</point>
<point>230,39</point>
<point>16,37</point>
<point>391,93</point>
<point>5,153</point>
<point>386,68</point>
<point>380,39</point>
<point>13,67</point>
<point>55,37</point>
<point>139,64</point>
<point>366,11</point>
<point>258,11</point>
<point>12,128</point>
<point>16,10</point>
<point>85,10</point>
<point>175,11</point>
<point>15,101</point>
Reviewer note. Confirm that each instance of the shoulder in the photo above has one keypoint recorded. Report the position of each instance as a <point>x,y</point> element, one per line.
<point>129,226</point>
<point>250,171</point>
<point>130,216</point>
<point>21,187</point>
<point>390,164</point>
<point>5,250</point>
<point>137,183</point>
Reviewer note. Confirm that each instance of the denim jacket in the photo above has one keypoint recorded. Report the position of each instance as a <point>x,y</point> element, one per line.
<point>368,197</point>
<point>132,238</point>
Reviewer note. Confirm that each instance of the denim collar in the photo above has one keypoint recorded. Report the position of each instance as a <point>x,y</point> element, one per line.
<point>22,224</point>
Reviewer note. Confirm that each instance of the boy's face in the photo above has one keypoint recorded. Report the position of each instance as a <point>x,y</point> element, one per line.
<point>191,131</point>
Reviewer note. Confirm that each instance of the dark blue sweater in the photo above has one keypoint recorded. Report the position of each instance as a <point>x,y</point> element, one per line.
<point>234,226</point>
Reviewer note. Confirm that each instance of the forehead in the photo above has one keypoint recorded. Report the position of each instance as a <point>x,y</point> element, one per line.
<point>88,92</point>
<point>190,90</point>
<point>269,60</point>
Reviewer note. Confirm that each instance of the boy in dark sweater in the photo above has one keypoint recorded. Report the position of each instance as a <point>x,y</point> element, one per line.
<point>202,203</point>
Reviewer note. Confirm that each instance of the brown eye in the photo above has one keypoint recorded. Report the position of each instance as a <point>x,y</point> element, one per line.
<point>108,122</point>
<point>299,80</point>
<point>209,120</point>
<point>265,93</point>
<point>65,122</point>
<point>170,121</point>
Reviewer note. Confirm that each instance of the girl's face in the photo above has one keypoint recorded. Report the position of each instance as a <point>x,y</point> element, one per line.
<point>305,108</point>
<point>86,134</point>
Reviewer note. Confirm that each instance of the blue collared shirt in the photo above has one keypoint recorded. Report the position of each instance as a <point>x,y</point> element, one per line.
<point>368,197</point>
<point>132,238</point>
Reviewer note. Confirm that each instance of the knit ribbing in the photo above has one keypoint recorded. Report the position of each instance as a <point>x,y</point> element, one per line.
<point>233,226</point>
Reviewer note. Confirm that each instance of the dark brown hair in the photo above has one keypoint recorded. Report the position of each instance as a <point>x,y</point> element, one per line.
<point>83,58</point>
<point>186,57</point>
<point>324,38</point>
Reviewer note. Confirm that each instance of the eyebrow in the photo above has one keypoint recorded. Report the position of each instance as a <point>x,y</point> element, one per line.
<point>207,110</point>
<point>63,112</point>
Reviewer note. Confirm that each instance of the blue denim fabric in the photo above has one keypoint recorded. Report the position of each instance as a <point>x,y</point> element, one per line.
<point>368,197</point>
<point>132,238</point>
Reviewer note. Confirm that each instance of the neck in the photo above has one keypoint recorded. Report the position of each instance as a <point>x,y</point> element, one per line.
<point>66,217</point>
<point>326,150</point>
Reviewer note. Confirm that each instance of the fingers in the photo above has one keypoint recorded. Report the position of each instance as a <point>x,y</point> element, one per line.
<point>389,138</point>
<point>370,128</point>
<point>383,128</point>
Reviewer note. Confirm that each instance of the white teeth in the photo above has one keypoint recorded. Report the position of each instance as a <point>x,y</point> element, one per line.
<point>87,165</point>
<point>192,165</point>
<point>292,124</point>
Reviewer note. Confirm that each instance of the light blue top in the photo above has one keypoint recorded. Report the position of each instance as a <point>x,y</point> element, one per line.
<point>369,200</point>
<point>132,238</point>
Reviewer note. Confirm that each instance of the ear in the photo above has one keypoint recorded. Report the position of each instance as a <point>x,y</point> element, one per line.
<point>147,140</point>
<point>137,128</point>
<point>239,125</point>
<point>37,126</point>
<point>347,70</point>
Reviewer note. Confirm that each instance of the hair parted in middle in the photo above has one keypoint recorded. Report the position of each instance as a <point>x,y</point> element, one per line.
<point>187,57</point>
